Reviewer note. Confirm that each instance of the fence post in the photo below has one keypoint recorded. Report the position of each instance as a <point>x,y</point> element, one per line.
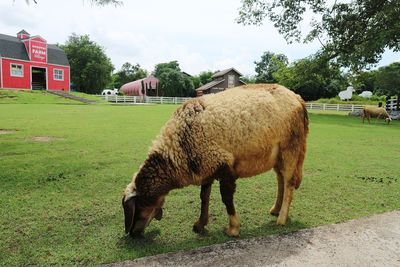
<point>337,108</point>
<point>116,99</point>
<point>162,99</point>
<point>310,105</point>
<point>352,108</point>
<point>124,98</point>
<point>324,106</point>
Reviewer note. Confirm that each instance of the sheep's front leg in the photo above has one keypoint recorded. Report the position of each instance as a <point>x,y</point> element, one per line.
<point>227,189</point>
<point>198,226</point>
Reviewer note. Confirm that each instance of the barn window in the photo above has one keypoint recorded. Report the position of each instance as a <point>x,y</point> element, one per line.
<point>231,81</point>
<point>17,70</point>
<point>58,75</point>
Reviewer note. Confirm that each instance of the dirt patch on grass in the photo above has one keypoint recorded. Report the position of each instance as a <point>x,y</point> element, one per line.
<point>7,131</point>
<point>47,138</point>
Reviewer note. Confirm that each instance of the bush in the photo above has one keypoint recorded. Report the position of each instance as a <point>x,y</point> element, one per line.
<point>374,100</point>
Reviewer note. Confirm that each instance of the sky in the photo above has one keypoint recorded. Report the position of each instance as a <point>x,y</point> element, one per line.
<point>200,35</point>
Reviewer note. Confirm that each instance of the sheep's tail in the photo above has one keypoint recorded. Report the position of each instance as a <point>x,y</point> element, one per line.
<point>298,173</point>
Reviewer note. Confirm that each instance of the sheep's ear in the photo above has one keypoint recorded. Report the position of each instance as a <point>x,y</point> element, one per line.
<point>159,214</point>
<point>129,211</point>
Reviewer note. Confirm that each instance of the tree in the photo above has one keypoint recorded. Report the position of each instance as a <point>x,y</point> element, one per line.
<point>172,81</point>
<point>206,77</point>
<point>128,73</point>
<point>354,33</point>
<point>90,67</point>
<point>364,81</point>
<point>268,64</point>
<point>388,79</point>
<point>312,78</point>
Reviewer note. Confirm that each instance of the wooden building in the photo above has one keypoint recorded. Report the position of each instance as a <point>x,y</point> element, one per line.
<point>222,80</point>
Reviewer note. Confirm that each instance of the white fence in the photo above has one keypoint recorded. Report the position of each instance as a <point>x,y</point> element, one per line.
<point>180,100</point>
<point>146,99</point>
<point>337,107</point>
<point>391,105</point>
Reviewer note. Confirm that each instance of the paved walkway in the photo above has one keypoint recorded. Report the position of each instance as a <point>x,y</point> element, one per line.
<point>370,241</point>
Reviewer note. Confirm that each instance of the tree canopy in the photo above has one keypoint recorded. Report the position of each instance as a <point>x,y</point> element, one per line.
<point>312,78</point>
<point>90,67</point>
<point>268,64</point>
<point>388,79</point>
<point>173,82</point>
<point>128,73</point>
<point>354,33</point>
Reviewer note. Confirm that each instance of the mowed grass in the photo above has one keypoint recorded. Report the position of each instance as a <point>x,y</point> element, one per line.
<point>60,201</point>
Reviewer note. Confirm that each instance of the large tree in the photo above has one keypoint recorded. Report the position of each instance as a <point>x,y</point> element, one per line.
<point>268,64</point>
<point>90,67</point>
<point>353,32</point>
<point>173,82</point>
<point>128,73</point>
<point>388,80</point>
<point>312,78</point>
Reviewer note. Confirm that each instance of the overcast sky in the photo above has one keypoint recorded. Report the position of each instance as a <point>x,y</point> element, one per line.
<point>200,35</point>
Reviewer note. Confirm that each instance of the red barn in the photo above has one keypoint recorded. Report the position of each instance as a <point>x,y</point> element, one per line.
<point>30,63</point>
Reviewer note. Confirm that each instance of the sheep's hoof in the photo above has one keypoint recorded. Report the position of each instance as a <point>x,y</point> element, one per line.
<point>232,231</point>
<point>199,228</point>
<point>280,221</point>
<point>274,211</point>
<point>137,235</point>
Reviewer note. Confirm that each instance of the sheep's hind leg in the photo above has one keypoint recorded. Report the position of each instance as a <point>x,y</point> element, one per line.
<point>279,194</point>
<point>198,226</point>
<point>227,189</point>
<point>287,170</point>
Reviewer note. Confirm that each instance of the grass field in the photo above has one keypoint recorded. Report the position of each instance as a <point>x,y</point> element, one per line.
<point>60,200</point>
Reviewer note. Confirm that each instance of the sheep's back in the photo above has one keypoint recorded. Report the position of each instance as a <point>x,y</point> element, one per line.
<point>246,118</point>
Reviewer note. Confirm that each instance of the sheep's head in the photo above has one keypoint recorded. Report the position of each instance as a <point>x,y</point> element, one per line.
<point>139,211</point>
<point>388,119</point>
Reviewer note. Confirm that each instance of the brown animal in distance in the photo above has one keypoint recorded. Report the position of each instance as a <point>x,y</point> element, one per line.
<point>378,112</point>
<point>240,132</point>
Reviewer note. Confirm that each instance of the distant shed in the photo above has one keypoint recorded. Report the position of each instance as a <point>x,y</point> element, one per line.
<point>147,86</point>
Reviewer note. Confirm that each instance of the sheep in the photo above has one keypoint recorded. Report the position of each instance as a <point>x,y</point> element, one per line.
<point>374,111</point>
<point>240,132</point>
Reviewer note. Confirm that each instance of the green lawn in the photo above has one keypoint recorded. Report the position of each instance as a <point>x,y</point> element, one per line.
<point>60,200</point>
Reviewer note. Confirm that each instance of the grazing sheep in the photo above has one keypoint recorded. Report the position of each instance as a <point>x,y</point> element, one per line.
<point>373,111</point>
<point>240,132</point>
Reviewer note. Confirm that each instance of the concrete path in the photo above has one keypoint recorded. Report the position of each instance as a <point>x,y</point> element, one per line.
<point>370,241</point>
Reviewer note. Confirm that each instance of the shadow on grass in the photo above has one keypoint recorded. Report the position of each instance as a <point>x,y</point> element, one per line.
<point>280,243</point>
<point>151,244</point>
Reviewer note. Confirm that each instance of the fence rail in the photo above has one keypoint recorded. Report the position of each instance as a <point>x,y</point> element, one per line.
<point>179,100</point>
<point>337,107</point>
<point>142,99</point>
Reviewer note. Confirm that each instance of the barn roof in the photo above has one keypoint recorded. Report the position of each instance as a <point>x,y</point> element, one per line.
<point>12,47</point>
<point>209,85</point>
<point>23,32</point>
<point>223,72</point>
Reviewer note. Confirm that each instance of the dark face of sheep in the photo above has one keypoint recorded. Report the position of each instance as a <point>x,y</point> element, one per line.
<point>139,212</point>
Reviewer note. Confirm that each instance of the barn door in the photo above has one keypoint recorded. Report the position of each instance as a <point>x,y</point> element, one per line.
<point>39,81</point>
